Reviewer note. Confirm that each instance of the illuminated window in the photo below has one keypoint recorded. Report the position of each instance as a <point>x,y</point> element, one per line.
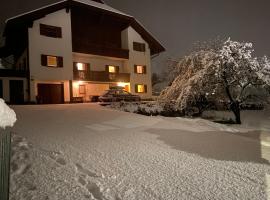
<point>112,69</point>
<point>52,61</point>
<point>139,69</point>
<point>81,66</point>
<point>140,88</point>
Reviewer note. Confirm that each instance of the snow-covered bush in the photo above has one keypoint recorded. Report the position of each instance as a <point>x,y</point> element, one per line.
<point>7,115</point>
<point>225,73</point>
<point>145,108</point>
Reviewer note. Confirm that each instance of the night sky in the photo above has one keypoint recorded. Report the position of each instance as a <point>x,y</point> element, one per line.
<point>177,24</point>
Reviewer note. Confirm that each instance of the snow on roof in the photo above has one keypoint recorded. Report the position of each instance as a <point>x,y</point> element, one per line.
<point>86,2</point>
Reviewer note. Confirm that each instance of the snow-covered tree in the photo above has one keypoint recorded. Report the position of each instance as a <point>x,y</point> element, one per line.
<point>226,74</point>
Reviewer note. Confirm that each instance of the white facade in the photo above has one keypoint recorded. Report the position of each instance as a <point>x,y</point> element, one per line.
<point>39,44</point>
<point>129,36</point>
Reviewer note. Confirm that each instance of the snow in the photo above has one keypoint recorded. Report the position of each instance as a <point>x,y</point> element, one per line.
<point>86,151</point>
<point>87,2</point>
<point>7,115</point>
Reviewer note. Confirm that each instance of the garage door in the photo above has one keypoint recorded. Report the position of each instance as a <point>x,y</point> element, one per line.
<point>50,93</point>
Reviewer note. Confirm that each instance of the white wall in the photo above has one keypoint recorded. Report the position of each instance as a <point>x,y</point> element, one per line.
<point>129,36</point>
<point>39,44</point>
<point>6,95</point>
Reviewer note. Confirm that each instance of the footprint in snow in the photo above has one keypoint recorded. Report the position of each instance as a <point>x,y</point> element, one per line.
<point>84,171</point>
<point>57,157</point>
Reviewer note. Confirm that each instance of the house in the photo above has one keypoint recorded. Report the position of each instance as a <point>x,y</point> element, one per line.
<point>74,50</point>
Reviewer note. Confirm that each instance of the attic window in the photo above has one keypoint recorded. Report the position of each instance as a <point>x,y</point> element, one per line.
<point>138,46</point>
<point>50,31</point>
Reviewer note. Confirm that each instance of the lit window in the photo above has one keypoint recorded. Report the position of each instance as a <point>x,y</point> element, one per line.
<point>81,66</point>
<point>140,88</point>
<point>52,61</point>
<point>140,69</point>
<point>112,69</point>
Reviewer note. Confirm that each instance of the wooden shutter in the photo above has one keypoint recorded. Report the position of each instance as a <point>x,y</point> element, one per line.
<point>43,60</point>
<point>107,68</point>
<point>145,88</point>
<point>117,69</point>
<point>136,88</point>
<point>87,67</point>
<point>144,69</point>
<point>75,67</point>
<point>135,69</point>
<point>59,61</point>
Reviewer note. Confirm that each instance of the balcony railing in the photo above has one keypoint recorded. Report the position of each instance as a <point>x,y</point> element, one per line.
<point>100,76</point>
<point>13,73</point>
<point>82,46</point>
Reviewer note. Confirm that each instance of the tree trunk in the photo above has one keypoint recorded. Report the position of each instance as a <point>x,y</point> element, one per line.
<point>235,107</point>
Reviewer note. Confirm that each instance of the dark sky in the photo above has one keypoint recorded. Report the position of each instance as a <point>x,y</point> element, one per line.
<point>180,23</point>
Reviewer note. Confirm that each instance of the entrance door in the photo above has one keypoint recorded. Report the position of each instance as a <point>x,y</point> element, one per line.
<point>50,93</point>
<point>16,92</point>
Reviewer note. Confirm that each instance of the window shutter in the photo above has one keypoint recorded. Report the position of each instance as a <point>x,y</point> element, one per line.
<point>59,61</point>
<point>117,69</point>
<point>136,88</point>
<point>74,66</point>
<point>107,68</point>
<point>145,88</point>
<point>43,60</point>
<point>135,69</point>
<point>144,69</point>
<point>88,67</point>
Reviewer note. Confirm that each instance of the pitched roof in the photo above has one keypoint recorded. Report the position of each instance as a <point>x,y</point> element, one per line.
<point>155,46</point>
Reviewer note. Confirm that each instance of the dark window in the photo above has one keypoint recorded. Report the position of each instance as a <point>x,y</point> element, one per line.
<point>50,31</point>
<point>140,88</point>
<point>51,61</point>
<point>139,69</point>
<point>138,46</point>
<point>1,89</point>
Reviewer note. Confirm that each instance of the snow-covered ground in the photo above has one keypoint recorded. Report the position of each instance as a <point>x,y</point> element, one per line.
<point>85,151</point>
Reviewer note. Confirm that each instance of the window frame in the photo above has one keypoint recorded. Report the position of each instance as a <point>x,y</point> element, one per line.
<point>143,69</point>
<point>50,31</point>
<point>144,88</point>
<point>139,46</point>
<point>44,61</point>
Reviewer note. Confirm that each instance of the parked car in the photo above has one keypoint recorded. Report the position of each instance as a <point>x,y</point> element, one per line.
<point>118,94</point>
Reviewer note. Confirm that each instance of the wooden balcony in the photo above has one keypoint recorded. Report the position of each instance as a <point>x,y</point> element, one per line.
<point>80,46</point>
<point>13,73</point>
<point>100,76</point>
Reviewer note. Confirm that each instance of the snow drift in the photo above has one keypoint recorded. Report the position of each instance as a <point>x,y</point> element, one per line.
<point>7,115</point>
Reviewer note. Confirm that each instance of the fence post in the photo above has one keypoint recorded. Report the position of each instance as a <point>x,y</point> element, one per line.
<point>5,152</point>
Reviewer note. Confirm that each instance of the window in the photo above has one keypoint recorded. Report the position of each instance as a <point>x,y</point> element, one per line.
<point>140,88</point>
<point>81,66</point>
<point>112,69</point>
<point>139,69</point>
<point>82,89</point>
<point>51,61</point>
<point>50,31</point>
<point>138,46</point>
